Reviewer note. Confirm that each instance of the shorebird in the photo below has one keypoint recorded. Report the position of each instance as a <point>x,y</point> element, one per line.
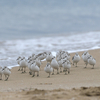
<point>35,68</point>
<point>23,64</point>
<point>1,72</point>
<point>62,54</point>
<point>6,72</point>
<point>38,62</point>
<point>48,69</point>
<point>76,59</point>
<point>18,61</point>
<point>84,54</point>
<point>91,61</point>
<point>42,56</point>
<point>49,57</point>
<point>29,66</point>
<point>66,65</point>
<point>54,65</point>
<point>85,57</point>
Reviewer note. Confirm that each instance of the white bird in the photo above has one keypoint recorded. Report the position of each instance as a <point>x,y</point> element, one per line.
<point>23,64</point>
<point>84,54</point>
<point>42,56</point>
<point>66,65</point>
<point>6,72</point>
<point>1,72</point>
<point>48,69</point>
<point>29,66</point>
<point>85,57</point>
<point>38,62</point>
<point>49,57</point>
<point>54,65</point>
<point>62,55</point>
<point>35,68</point>
<point>76,59</point>
<point>91,61</point>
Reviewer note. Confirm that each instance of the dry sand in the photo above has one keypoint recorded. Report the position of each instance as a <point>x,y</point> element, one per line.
<point>80,84</point>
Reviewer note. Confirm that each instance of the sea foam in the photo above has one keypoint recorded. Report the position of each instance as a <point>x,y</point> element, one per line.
<point>11,49</point>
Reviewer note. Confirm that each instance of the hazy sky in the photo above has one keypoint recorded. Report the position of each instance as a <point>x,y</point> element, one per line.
<point>49,16</point>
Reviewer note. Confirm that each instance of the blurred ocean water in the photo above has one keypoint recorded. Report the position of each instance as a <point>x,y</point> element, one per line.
<point>11,49</point>
<point>34,26</point>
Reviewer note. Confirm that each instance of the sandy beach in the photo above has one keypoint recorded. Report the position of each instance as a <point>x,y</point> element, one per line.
<point>80,84</point>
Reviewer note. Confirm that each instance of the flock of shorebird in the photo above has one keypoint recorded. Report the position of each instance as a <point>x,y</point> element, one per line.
<point>59,62</point>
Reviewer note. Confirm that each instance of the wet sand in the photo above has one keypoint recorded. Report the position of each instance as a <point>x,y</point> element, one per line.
<point>80,84</point>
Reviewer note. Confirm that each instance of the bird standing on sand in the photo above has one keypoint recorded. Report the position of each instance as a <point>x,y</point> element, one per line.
<point>38,62</point>
<point>6,72</point>
<point>85,57</point>
<point>54,65</point>
<point>48,69</point>
<point>23,64</point>
<point>76,59</point>
<point>29,66</point>
<point>18,61</point>
<point>84,54</point>
<point>35,68</point>
<point>91,61</point>
<point>66,65</point>
<point>49,57</point>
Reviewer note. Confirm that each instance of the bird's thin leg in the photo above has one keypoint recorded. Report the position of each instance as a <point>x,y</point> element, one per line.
<point>33,74</point>
<point>57,71</point>
<point>37,74</point>
<point>76,64</point>
<point>49,75</point>
<point>65,72</point>
<point>24,70</point>
<point>93,67</point>
<point>5,77</point>
<point>86,65</point>
<point>68,70</point>
<point>1,77</point>
<point>60,70</point>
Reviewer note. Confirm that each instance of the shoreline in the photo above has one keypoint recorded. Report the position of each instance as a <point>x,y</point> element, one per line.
<point>54,54</point>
